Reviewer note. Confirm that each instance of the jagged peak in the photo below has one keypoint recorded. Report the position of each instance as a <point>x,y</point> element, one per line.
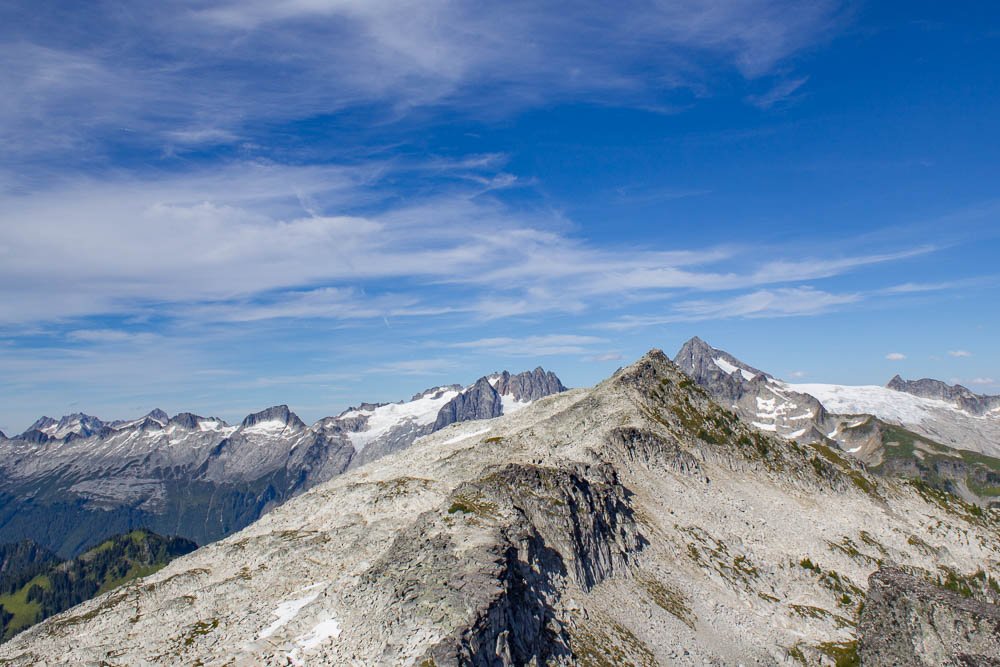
<point>190,420</point>
<point>42,422</point>
<point>699,359</point>
<point>526,385</point>
<point>158,415</point>
<point>279,413</point>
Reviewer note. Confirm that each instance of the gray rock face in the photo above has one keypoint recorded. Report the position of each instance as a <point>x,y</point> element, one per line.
<point>530,385</point>
<point>482,401</point>
<point>700,362</point>
<point>907,621</point>
<point>76,425</point>
<point>965,399</point>
<point>41,423</point>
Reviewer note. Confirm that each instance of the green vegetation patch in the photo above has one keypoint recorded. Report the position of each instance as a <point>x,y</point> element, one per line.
<point>477,505</point>
<point>711,553</point>
<point>669,599</point>
<point>820,614</point>
<point>609,645</point>
<point>844,654</point>
<point>200,629</point>
<point>841,464</point>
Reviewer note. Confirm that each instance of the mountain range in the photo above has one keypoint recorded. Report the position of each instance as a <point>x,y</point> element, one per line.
<point>945,435</point>
<point>638,522</point>
<point>69,483</point>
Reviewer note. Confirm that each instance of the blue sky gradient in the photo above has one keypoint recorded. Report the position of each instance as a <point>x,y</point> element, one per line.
<point>221,206</point>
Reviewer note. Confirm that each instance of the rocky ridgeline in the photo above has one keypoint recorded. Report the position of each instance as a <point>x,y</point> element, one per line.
<point>635,523</point>
<point>977,404</point>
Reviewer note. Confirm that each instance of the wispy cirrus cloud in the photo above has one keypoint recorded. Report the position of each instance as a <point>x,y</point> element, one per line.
<point>176,74</point>
<point>781,92</point>
<point>764,303</point>
<point>531,346</point>
<point>256,242</point>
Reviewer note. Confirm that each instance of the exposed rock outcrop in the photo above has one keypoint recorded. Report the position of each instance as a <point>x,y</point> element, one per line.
<point>907,621</point>
<point>482,401</point>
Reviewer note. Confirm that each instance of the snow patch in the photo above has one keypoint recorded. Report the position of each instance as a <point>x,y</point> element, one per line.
<point>286,611</point>
<point>730,368</point>
<point>509,406</point>
<point>765,427</point>
<point>328,629</point>
<point>887,404</point>
<point>269,427</point>
<point>381,420</point>
<point>464,436</point>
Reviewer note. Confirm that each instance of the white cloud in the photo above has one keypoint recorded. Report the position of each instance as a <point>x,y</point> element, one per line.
<point>533,346</point>
<point>202,82</point>
<point>779,302</point>
<point>959,353</point>
<point>432,366</point>
<point>983,381</point>
<point>604,357</point>
<point>895,356</point>
<point>254,242</point>
<point>780,92</point>
<point>114,336</point>
<point>798,374</point>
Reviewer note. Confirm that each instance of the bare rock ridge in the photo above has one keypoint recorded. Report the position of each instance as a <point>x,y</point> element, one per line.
<point>977,404</point>
<point>69,483</point>
<point>908,621</point>
<point>638,522</point>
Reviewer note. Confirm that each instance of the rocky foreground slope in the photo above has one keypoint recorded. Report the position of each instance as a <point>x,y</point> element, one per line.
<point>68,484</point>
<point>633,523</point>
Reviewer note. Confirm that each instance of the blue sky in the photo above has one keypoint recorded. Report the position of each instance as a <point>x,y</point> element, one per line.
<point>217,207</point>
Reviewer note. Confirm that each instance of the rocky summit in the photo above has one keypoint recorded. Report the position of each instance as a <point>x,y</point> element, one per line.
<point>635,523</point>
